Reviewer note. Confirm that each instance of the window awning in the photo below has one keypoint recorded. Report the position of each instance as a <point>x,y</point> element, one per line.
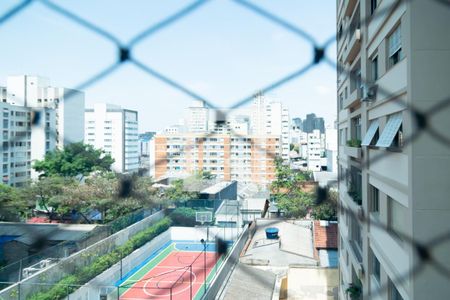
<point>390,130</point>
<point>370,133</point>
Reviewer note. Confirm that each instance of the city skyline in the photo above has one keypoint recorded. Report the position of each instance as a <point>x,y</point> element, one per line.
<point>215,62</point>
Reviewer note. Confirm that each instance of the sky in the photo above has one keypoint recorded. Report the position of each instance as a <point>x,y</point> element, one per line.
<point>221,51</point>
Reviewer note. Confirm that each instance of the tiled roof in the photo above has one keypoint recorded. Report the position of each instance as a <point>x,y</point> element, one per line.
<point>325,237</point>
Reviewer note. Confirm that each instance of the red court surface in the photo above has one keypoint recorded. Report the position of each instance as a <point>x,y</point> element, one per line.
<point>172,278</point>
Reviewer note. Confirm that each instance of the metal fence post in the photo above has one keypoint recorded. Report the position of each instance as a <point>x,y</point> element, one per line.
<point>20,269</point>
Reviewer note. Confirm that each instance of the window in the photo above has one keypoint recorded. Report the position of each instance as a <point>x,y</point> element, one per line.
<point>392,131</point>
<point>396,217</point>
<point>395,52</point>
<point>375,267</point>
<point>373,6</point>
<point>343,136</point>
<point>374,200</point>
<point>356,128</point>
<point>393,292</point>
<point>372,134</point>
<point>341,101</point>
<point>374,68</point>
<point>398,139</point>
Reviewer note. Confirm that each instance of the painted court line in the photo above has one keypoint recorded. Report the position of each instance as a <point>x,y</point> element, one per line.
<point>171,272</point>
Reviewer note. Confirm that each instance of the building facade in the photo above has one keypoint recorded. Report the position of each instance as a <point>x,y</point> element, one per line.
<point>272,118</point>
<point>230,157</point>
<point>392,55</point>
<point>312,123</point>
<point>58,115</point>
<point>115,130</point>
<point>145,146</point>
<point>35,92</point>
<point>315,154</point>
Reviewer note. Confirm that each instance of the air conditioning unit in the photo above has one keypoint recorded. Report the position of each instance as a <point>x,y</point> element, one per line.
<point>369,92</point>
<point>358,34</point>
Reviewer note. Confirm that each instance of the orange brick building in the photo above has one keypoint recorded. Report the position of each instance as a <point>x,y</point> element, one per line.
<point>246,158</point>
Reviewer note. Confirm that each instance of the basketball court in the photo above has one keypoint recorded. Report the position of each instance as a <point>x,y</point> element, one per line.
<point>177,272</point>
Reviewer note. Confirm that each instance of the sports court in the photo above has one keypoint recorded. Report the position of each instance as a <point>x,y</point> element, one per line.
<point>175,272</point>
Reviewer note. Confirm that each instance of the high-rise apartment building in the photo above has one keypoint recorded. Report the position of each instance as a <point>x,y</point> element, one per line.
<point>297,123</point>
<point>35,92</point>
<point>272,118</point>
<point>247,159</point>
<point>115,130</point>
<point>393,55</point>
<point>60,121</point>
<point>197,117</point>
<point>315,150</point>
<point>312,122</point>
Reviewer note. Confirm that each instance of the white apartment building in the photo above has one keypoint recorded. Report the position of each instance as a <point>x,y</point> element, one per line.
<point>35,92</point>
<point>399,54</point>
<point>197,117</point>
<point>269,117</point>
<point>16,145</point>
<point>315,150</point>
<point>115,130</point>
<point>60,121</point>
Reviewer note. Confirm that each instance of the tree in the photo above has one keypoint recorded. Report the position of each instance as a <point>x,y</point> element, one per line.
<point>295,205</point>
<point>327,209</point>
<point>73,160</point>
<point>13,205</point>
<point>177,193</point>
<point>46,190</point>
<point>183,216</point>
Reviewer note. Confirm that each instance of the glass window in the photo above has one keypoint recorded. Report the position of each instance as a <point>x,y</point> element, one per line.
<point>374,68</point>
<point>397,215</point>
<point>395,52</point>
<point>374,200</point>
<point>392,131</point>
<point>393,292</point>
<point>375,267</point>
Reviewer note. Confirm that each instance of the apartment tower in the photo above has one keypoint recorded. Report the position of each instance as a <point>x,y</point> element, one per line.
<point>393,55</point>
<point>115,130</point>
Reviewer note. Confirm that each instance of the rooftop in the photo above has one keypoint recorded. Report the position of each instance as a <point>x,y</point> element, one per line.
<point>325,235</point>
<point>53,232</point>
<point>214,189</point>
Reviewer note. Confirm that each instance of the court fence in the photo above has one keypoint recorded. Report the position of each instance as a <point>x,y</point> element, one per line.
<point>100,287</point>
<point>27,266</point>
<point>60,273</point>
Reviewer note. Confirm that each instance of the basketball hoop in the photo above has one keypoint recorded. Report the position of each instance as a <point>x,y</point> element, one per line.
<point>203,217</point>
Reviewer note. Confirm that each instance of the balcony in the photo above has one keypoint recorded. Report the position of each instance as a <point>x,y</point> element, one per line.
<point>353,46</point>
<point>353,148</point>
<point>353,98</point>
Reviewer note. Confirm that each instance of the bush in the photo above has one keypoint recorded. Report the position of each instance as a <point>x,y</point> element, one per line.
<point>70,283</point>
<point>354,143</point>
<point>183,216</point>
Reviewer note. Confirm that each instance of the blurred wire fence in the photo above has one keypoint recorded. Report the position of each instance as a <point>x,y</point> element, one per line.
<point>422,119</point>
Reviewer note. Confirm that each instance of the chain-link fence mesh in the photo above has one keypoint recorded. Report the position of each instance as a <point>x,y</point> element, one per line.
<point>422,120</point>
